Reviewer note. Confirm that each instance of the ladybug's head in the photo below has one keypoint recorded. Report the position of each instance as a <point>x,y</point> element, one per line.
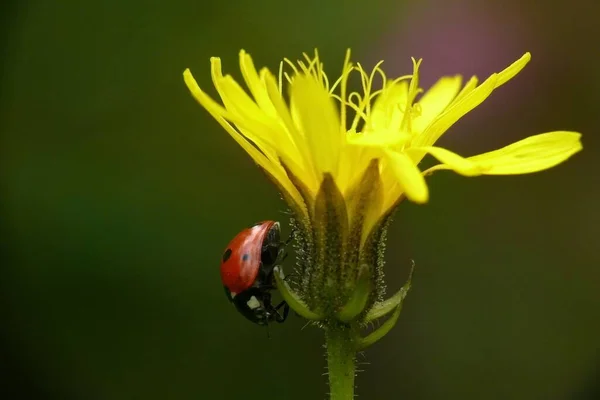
<point>253,303</point>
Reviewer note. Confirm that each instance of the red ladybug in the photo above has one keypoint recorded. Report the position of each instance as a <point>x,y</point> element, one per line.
<point>247,272</point>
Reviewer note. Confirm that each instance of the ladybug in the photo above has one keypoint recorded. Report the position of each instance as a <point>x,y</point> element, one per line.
<point>247,272</point>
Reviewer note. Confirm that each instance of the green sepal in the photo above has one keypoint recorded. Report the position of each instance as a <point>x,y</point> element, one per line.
<point>358,300</point>
<point>306,213</point>
<point>380,332</point>
<point>292,299</point>
<point>304,241</point>
<point>327,289</point>
<point>385,307</point>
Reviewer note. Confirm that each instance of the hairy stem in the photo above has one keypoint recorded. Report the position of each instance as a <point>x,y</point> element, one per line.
<point>340,361</point>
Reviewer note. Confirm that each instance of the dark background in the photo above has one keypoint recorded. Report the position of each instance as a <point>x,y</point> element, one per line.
<point>119,194</point>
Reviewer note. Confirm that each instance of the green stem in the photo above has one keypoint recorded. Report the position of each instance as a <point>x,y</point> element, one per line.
<point>340,361</point>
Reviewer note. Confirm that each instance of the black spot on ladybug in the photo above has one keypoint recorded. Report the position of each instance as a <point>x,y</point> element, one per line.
<point>245,257</point>
<point>226,255</point>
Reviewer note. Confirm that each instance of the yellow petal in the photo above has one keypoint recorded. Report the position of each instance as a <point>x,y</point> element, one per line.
<point>255,84</point>
<point>513,69</point>
<point>240,105</point>
<point>408,175</point>
<point>435,100</point>
<point>533,154</point>
<point>455,112</point>
<point>201,97</point>
<point>215,110</point>
<point>272,168</point>
<point>352,159</point>
<point>297,157</point>
<point>212,106</point>
<point>244,127</point>
<point>468,100</point>
<point>263,127</point>
<point>241,108</point>
<point>253,122</point>
<point>451,160</point>
<point>469,86</point>
<point>388,109</point>
<point>237,101</point>
<point>315,113</point>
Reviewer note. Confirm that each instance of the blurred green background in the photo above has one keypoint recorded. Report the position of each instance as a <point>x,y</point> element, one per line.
<point>119,194</point>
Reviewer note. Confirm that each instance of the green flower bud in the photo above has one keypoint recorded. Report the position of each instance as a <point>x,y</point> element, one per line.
<point>340,243</point>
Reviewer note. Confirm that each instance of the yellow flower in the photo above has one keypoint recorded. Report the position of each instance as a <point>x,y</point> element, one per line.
<point>343,160</point>
<point>325,129</point>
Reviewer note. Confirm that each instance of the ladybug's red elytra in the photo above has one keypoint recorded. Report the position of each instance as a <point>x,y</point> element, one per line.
<point>247,272</point>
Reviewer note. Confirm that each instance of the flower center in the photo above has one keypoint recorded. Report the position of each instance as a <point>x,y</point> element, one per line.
<point>385,105</point>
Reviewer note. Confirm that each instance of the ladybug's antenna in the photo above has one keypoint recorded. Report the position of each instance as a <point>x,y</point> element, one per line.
<point>267,328</point>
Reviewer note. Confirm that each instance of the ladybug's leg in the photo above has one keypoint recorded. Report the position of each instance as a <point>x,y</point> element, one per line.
<point>292,275</point>
<point>277,249</point>
<point>283,245</point>
<point>266,271</point>
<point>268,283</point>
<point>290,238</point>
<point>266,278</point>
<point>286,310</point>
<point>282,255</point>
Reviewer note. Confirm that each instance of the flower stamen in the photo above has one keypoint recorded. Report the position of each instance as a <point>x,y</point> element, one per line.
<point>343,82</point>
<point>413,91</point>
